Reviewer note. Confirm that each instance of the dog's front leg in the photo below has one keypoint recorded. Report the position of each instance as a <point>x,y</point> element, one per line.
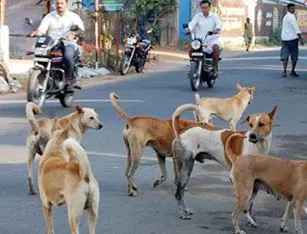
<point>163,177</point>
<point>233,125</point>
<point>284,219</point>
<point>250,219</point>
<point>184,212</point>
<point>47,211</point>
<point>31,157</point>
<point>235,221</point>
<point>297,217</point>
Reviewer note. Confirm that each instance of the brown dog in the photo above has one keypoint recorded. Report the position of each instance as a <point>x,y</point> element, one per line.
<point>43,128</point>
<point>65,177</point>
<point>143,131</point>
<point>285,177</point>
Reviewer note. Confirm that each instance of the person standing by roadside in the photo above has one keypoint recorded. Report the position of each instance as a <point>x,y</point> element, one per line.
<point>290,37</point>
<point>248,34</point>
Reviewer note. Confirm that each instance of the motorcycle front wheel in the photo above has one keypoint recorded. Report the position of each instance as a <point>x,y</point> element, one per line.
<point>35,92</point>
<point>125,65</point>
<point>194,77</point>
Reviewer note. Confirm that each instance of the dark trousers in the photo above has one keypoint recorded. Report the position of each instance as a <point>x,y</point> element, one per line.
<point>70,55</point>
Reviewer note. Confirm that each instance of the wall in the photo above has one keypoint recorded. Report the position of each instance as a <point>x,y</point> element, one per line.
<point>184,15</point>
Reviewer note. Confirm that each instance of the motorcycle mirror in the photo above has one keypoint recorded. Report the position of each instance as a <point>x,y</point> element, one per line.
<point>29,21</point>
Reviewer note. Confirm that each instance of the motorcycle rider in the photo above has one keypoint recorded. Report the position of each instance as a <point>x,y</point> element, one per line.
<point>55,25</point>
<point>206,23</point>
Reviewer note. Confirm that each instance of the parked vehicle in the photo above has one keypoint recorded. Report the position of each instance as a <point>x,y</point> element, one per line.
<point>135,54</point>
<point>47,78</point>
<point>201,62</point>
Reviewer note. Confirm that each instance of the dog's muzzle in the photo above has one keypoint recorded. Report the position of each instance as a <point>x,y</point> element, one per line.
<point>100,126</point>
<point>253,138</point>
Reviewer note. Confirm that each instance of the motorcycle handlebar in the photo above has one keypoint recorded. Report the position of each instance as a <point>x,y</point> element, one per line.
<point>19,35</point>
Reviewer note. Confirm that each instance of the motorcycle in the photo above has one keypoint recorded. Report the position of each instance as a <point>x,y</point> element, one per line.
<point>135,54</point>
<point>47,77</point>
<point>201,63</point>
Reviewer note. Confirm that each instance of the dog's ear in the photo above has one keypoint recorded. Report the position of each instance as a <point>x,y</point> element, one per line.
<point>239,87</point>
<point>272,114</point>
<point>245,120</point>
<point>114,95</point>
<point>252,90</point>
<point>79,109</point>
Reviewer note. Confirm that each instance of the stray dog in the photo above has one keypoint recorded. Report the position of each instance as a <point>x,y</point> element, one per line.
<point>229,109</point>
<point>43,128</point>
<point>286,177</point>
<point>65,177</point>
<point>143,131</point>
<point>197,144</point>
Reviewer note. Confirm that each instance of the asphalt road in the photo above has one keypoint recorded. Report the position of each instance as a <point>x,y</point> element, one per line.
<point>157,92</point>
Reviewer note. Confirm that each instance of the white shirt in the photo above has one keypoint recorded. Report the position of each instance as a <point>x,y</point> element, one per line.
<point>290,28</point>
<point>56,26</point>
<point>201,25</point>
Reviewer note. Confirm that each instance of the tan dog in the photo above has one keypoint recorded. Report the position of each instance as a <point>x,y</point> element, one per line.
<point>65,177</point>
<point>43,128</point>
<point>143,131</point>
<point>197,144</point>
<point>286,177</point>
<point>229,109</point>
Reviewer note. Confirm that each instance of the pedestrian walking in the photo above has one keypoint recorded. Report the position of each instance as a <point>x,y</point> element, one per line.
<point>248,34</point>
<point>290,37</point>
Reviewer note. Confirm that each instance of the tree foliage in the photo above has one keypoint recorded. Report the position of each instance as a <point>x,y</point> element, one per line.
<point>159,8</point>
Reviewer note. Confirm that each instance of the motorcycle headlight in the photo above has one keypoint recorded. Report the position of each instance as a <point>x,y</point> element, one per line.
<point>196,44</point>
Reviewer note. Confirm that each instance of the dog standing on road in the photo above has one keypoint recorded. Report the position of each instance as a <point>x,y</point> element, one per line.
<point>143,131</point>
<point>286,177</point>
<point>197,144</point>
<point>65,177</point>
<point>43,128</point>
<point>229,109</point>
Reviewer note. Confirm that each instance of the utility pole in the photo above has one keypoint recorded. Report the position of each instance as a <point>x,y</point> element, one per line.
<point>2,12</point>
<point>97,44</point>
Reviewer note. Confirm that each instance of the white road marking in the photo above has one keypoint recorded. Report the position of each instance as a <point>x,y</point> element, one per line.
<point>76,101</point>
<point>122,156</point>
<point>113,155</point>
<point>256,58</point>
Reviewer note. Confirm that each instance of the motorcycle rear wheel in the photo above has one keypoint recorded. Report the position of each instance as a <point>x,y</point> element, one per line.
<point>66,99</point>
<point>210,83</point>
<point>139,68</point>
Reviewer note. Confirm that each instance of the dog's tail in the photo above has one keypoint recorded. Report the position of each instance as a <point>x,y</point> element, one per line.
<point>120,111</point>
<point>197,99</point>
<point>79,156</point>
<point>31,110</point>
<point>179,111</point>
<point>230,146</point>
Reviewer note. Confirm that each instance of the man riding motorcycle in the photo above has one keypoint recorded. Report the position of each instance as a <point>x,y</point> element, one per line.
<point>55,25</point>
<point>206,24</point>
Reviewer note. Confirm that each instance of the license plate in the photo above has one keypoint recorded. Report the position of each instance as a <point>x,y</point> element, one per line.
<point>197,54</point>
<point>41,39</point>
<point>41,51</point>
